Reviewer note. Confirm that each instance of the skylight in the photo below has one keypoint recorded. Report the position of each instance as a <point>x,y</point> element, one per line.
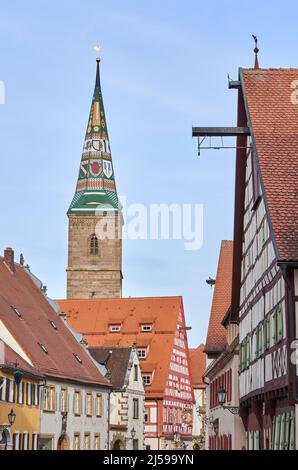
<point>43,348</point>
<point>16,311</point>
<point>78,358</point>
<point>53,324</point>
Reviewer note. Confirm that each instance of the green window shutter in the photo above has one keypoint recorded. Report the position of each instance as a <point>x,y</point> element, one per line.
<point>292,431</point>
<point>257,342</point>
<point>241,357</point>
<point>282,433</point>
<point>267,332</point>
<point>244,352</point>
<point>287,431</point>
<point>277,432</point>
<point>264,328</point>
<point>247,440</point>
<point>279,323</point>
<point>261,338</point>
<point>273,433</point>
<point>257,440</point>
<point>252,440</point>
<point>274,332</point>
<point>247,351</point>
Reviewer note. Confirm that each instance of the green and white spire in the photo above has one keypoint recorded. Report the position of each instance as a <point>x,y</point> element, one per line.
<point>96,188</point>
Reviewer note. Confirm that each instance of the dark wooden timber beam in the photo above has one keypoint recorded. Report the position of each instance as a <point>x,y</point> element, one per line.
<point>220,131</point>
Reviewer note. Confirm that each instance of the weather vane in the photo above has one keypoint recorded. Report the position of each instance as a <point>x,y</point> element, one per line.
<point>97,48</point>
<point>256,50</point>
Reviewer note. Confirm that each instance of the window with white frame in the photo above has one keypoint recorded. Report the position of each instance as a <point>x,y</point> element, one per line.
<point>146,327</point>
<point>77,405</point>
<point>146,379</point>
<point>77,442</point>
<point>49,398</point>
<point>87,441</point>
<point>97,442</point>
<point>142,353</point>
<point>89,399</point>
<point>63,400</point>
<point>115,328</point>
<point>99,405</point>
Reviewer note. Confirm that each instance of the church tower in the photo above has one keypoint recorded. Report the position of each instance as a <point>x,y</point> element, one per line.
<point>95,223</point>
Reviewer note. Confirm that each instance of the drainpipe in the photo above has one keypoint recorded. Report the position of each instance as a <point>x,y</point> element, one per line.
<point>109,418</point>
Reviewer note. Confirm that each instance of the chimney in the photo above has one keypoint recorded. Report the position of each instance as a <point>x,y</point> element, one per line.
<point>9,259</point>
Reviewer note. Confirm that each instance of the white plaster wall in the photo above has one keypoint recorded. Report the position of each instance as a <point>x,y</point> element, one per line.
<point>197,420</point>
<point>122,401</point>
<point>51,422</point>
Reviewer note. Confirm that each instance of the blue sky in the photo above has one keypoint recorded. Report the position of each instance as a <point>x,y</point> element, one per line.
<point>164,69</point>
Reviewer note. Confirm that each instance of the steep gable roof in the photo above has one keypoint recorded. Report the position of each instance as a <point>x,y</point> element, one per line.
<point>272,111</point>
<point>93,319</point>
<point>216,335</point>
<point>197,366</point>
<point>116,360</point>
<point>33,330</point>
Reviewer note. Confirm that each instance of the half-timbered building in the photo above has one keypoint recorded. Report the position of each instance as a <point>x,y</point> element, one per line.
<point>224,427</point>
<point>265,279</point>
<point>156,326</point>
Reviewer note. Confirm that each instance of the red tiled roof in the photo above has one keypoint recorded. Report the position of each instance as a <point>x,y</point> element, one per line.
<point>93,317</point>
<point>12,360</point>
<point>273,116</point>
<point>216,336</point>
<point>197,366</point>
<point>19,290</point>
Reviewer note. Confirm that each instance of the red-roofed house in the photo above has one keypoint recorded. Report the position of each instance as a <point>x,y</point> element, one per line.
<point>73,394</point>
<point>224,429</point>
<point>265,261</point>
<point>197,368</point>
<point>157,327</point>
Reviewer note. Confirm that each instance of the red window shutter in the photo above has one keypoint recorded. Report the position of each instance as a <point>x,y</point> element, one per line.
<point>229,390</point>
<point>230,442</point>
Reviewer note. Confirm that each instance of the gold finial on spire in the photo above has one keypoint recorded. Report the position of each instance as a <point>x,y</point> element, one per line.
<point>97,48</point>
<point>256,51</point>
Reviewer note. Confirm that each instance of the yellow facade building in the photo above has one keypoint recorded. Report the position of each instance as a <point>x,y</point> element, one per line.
<point>19,404</point>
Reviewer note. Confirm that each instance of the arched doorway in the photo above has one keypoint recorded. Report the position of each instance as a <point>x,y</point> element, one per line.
<point>118,442</point>
<point>63,442</point>
<point>118,445</point>
<point>5,440</point>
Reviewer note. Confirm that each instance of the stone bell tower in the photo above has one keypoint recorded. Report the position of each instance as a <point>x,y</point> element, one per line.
<point>95,223</point>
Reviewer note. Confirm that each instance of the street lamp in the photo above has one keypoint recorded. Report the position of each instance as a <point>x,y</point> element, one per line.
<point>11,417</point>
<point>133,433</point>
<point>18,375</point>
<point>221,396</point>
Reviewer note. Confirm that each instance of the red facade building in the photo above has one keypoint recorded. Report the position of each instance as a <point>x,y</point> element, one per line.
<point>157,327</point>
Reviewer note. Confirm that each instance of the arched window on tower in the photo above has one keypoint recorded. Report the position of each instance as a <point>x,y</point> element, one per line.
<point>93,245</point>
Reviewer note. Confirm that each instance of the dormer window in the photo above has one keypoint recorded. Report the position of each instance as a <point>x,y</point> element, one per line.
<point>42,346</point>
<point>146,328</point>
<point>115,328</point>
<point>94,245</point>
<point>142,353</point>
<point>146,379</point>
